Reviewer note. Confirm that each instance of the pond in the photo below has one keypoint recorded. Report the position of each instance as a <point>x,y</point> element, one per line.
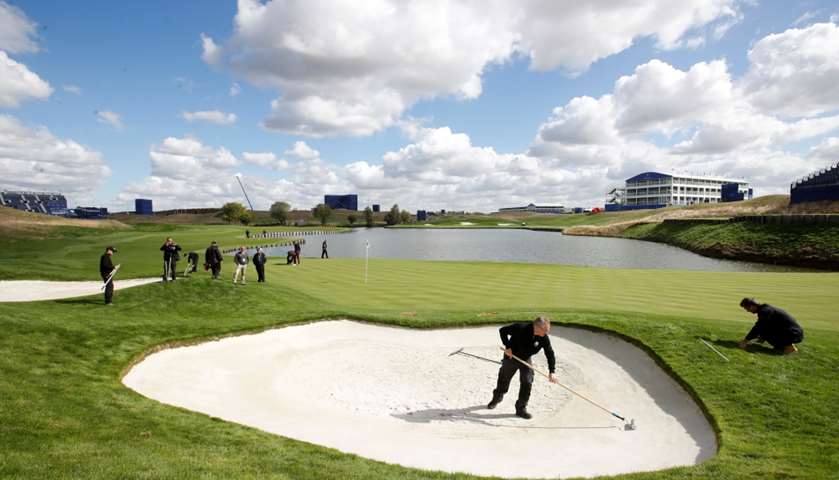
<point>513,245</point>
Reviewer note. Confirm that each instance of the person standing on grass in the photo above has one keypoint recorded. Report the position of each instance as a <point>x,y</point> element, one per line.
<point>324,253</point>
<point>171,256</point>
<point>259,264</point>
<point>523,340</point>
<point>213,259</point>
<point>106,268</point>
<point>773,325</point>
<point>297,250</point>
<point>241,262</point>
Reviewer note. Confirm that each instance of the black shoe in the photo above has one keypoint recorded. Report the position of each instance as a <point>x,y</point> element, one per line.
<point>493,403</point>
<point>521,412</point>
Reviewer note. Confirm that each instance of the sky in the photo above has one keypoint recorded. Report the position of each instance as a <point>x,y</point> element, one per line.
<point>459,105</point>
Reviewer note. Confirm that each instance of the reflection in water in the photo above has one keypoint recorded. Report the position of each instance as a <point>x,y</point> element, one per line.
<point>518,246</point>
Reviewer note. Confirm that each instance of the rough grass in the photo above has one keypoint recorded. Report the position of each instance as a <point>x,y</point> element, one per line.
<point>72,253</point>
<point>814,245</point>
<point>65,414</point>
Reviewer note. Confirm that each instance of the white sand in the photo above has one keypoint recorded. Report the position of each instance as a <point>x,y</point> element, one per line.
<point>33,290</point>
<point>395,395</point>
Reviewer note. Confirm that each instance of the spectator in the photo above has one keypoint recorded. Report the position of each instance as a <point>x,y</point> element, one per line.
<point>259,264</point>
<point>241,262</point>
<point>171,256</point>
<point>213,259</point>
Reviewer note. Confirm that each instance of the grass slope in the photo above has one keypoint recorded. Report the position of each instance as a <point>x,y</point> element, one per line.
<point>72,253</point>
<point>815,245</point>
<point>64,413</point>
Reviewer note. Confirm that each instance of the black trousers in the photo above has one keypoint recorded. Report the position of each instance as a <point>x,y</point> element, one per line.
<point>323,254</point>
<point>109,291</point>
<point>779,340</point>
<point>216,269</point>
<point>170,269</point>
<point>508,369</point>
<point>260,272</point>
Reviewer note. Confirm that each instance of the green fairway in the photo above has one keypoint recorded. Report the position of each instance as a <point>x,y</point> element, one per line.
<point>72,253</point>
<point>65,414</point>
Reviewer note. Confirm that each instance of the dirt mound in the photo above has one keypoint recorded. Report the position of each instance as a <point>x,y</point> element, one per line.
<point>758,206</point>
<point>18,220</point>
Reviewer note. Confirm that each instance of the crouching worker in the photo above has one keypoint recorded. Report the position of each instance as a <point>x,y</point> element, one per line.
<point>192,263</point>
<point>522,340</point>
<point>773,325</point>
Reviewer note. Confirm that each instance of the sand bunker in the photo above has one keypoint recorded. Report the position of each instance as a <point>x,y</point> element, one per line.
<point>396,395</point>
<point>33,290</point>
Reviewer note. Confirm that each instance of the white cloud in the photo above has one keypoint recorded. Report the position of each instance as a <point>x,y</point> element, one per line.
<point>303,151</point>
<point>32,158</point>
<point>235,90</point>
<point>212,116</point>
<point>266,159</point>
<point>345,68</point>
<point>825,153</point>
<point>110,118</point>
<point>18,83</point>
<point>805,18</point>
<point>660,97</point>
<point>17,32</point>
<point>796,72</point>
<point>74,89</point>
<point>211,53</point>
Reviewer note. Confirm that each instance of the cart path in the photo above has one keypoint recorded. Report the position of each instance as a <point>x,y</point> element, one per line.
<point>35,290</point>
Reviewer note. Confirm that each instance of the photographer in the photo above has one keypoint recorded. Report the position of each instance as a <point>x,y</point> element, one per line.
<point>171,256</point>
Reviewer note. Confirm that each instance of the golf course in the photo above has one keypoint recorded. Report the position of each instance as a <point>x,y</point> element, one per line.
<point>65,413</point>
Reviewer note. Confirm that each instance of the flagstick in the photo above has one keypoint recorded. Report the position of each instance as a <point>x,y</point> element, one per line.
<point>366,259</point>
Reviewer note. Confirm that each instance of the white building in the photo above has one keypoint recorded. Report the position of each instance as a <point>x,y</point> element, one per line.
<point>532,208</point>
<point>655,189</point>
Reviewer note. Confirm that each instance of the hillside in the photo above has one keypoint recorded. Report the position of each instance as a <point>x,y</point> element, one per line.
<point>12,221</point>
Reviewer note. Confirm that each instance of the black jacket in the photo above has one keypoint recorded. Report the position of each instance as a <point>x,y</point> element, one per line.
<point>106,266</point>
<point>520,337</point>
<point>772,322</point>
<point>259,259</point>
<point>213,256</point>
<point>170,252</point>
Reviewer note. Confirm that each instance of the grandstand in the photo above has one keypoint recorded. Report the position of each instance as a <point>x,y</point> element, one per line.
<point>822,185</point>
<point>40,202</point>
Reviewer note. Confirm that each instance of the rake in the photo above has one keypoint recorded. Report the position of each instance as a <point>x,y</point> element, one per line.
<point>627,425</point>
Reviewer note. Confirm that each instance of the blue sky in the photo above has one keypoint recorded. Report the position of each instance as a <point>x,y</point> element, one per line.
<point>147,63</point>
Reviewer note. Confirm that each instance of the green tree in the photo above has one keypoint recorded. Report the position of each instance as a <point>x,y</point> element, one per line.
<point>393,216</point>
<point>351,218</point>
<point>279,212</point>
<point>246,217</point>
<point>232,211</point>
<point>368,217</point>
<point>405,217</point>
<point>322,212</point>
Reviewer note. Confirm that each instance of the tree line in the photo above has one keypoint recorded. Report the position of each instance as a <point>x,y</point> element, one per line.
<point>236,212</point>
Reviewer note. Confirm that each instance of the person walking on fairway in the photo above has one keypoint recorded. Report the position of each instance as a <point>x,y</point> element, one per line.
<point>106,268</point>
<point>213,259</point>
<point>773,325</point>
<point>241,262</point>
<point>324,253</point>
<point>259,264</point>
<point>522,340</point>
<point>171,256</point>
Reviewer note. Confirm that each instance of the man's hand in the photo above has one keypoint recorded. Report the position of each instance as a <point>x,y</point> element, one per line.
<point>509,353</point>
<point>743,344</point>
<point>552,378</point>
